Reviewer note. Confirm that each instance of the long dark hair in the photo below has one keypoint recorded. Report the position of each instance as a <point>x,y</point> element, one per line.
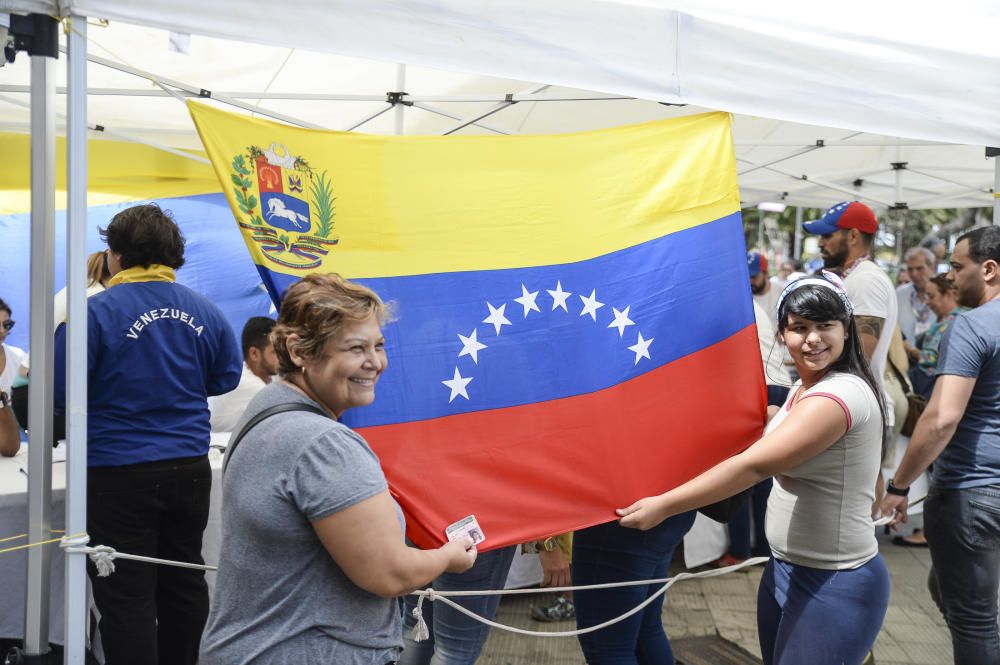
<point>816,302</point>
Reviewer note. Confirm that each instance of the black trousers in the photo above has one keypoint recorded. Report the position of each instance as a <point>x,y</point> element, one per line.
<point>150,613</point>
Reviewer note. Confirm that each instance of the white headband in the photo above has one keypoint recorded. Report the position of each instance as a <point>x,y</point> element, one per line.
<point>829,280</point>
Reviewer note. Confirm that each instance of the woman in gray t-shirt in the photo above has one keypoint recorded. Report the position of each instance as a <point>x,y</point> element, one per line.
<point>312,544</point>
<point>825,591</point>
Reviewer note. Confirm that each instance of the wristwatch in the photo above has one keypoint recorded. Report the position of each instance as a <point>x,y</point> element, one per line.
<point>536,546</point>
<point>4,399</point>
<point>890,488</point>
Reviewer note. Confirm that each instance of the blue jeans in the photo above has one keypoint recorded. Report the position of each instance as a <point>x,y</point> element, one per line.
<point>611,553</point>
<point>455,639</point>
<point>963,532</point>
<point>821,617</point>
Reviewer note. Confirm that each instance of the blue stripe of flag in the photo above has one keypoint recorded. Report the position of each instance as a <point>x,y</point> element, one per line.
<point>685,291</point>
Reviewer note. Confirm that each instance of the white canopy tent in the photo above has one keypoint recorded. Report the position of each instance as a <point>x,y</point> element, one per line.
<point>805,132</point>
<point>901,83</point>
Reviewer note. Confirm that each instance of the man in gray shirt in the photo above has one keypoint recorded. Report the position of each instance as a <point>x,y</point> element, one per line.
<point>960,433</point>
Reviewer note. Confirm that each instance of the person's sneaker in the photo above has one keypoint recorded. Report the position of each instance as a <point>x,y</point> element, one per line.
<point>561,610</point>
<point>726,560</point>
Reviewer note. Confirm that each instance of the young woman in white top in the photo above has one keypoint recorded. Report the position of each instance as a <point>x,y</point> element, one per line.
<point>824,593</point>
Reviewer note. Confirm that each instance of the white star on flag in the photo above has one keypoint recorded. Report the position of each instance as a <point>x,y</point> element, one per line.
<point>590,305</point>
<point>621,320</point>
<point>559,297</point>
<point>457,385</point>
<point>527,301</point>
<point>471,346</point>
<point>640,348</point>
<point>496,317</point>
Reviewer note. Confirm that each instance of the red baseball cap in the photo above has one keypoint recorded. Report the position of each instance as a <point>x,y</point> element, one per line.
<point>844,215</point>
<point>756,263</point>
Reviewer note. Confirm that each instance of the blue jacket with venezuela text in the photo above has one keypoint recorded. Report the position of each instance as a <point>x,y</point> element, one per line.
<point>156,350</point>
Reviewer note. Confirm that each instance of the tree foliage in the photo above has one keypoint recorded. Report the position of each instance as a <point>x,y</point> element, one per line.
<point>898,229</point>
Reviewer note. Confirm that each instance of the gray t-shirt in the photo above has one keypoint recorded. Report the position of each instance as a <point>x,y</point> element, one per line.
<point>279,597</point>
<point>819,513</point>
<point>971,348</point>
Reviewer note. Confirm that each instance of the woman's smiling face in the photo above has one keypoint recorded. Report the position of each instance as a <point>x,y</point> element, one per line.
<point>345,374</point>
<point>814,345</point>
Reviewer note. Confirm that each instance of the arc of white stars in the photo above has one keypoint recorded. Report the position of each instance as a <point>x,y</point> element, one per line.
<point>621,320</point>
<point>559,297</point>
<point>471,346</point>
<point>641,348</point>
<point>590,305</point>
<point>527,301</point>
<point>457,384</point>
<point>497,317</point>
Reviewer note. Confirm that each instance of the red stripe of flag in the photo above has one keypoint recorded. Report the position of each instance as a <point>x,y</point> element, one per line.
<point>604,449</point>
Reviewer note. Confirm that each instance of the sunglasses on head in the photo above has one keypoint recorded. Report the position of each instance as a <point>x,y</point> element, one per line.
<point>8,324</point>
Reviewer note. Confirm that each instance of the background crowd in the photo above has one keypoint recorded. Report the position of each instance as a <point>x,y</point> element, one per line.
<point>869,384</point>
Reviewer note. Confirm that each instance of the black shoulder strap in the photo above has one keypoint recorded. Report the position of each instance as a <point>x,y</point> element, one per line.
<point>264,415</point>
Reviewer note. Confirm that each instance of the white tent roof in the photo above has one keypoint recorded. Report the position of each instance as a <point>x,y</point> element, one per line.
<point>875,73</point>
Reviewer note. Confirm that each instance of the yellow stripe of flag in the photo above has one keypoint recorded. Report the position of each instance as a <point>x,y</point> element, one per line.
<point>426,204</point>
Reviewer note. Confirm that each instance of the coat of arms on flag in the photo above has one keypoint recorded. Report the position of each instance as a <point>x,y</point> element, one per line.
<point>287,208</point>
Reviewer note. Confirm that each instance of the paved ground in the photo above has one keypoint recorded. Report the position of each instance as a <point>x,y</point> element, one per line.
<point>913,632</point>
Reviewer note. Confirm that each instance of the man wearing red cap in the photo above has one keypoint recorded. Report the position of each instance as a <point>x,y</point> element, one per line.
<point>763,292</point>
<point>846,234</point>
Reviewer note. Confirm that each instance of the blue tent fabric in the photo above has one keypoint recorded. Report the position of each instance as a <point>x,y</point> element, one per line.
<point>217,262</point>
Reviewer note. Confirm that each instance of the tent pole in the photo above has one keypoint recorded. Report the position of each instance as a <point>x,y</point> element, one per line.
<point>820,183</point>
<point>909,168</point>
<point>435,110</point>
<point>400,107</point>
<point>898,167</point>
<point>797,249</point>
<point>124,137</point>
<point>779,159</point>
<point>937,198</point>
<point>899,209</point>
<point>220,97</point>
<point>488,112</point>
<point>43,204</point>
<point>493,109</point>
<point>996,187</point>
<point>75,600</point>
<point>325,97</point>
<point>366,119</point>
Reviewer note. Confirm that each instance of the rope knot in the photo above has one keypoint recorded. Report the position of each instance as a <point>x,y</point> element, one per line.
<point>104,559</point>
<point>74,541</point>
<point>420,631</point>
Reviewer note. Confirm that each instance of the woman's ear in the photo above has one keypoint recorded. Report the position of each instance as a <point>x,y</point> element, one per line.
<point>292,343</point>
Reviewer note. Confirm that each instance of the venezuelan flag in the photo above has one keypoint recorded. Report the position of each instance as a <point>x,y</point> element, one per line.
<point>575,328</point>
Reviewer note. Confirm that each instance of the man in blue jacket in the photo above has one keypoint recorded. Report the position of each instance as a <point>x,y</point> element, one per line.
<point>156,351</point>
